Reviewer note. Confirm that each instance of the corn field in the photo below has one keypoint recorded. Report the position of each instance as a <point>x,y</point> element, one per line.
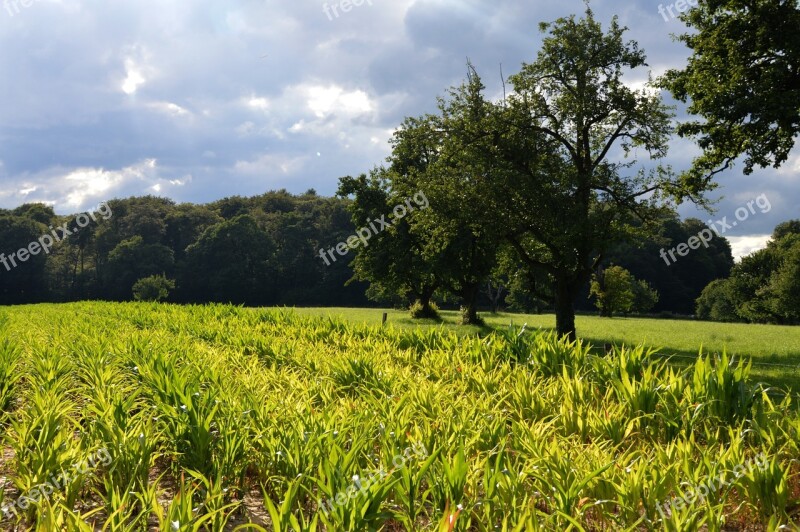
<point>224,418</point>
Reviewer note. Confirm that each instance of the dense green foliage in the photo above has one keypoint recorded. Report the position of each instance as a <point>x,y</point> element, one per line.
<point>678,284</point>
<point>763,288</point>
<point>743,81</point>
<point>264,250</point>
<point>616,290</point>
<point>209,413</point>
<point>528,179</point>
<point>257,251</point>
<point>153,288</point>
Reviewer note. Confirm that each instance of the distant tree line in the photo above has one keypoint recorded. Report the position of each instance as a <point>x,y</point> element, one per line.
<point>253,251</point>
<point>264,251</point>
<point>763,288</point>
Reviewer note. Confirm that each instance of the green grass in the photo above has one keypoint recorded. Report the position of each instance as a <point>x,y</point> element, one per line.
<point>766,344</point>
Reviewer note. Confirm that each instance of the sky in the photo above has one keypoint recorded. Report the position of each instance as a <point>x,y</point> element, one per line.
<point>197,100</point>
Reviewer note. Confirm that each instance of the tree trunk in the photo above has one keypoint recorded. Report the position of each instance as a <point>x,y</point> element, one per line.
<point>424,301</point>
<point>565,310</point>
<point>469,305</point>
<point>426,296</point>
<point>495,296</point>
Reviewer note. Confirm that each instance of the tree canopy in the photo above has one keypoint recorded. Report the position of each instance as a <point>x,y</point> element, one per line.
<point>742,81</point>
<point>763,288</point>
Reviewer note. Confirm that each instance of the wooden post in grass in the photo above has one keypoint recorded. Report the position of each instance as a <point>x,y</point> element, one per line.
<point>385,317</point>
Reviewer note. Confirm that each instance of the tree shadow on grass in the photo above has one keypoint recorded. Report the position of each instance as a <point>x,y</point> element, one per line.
<point>448,319</point>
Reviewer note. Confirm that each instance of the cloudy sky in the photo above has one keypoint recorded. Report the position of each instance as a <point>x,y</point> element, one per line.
<point>199,99</point>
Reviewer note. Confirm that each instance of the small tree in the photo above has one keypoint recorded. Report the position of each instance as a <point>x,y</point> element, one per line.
<point>153,288</point>
<point>614,290</point>
<point>645,296</point>
<point>716,302</point>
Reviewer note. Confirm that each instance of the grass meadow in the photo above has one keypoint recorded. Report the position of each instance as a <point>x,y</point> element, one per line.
<point>133,417</point>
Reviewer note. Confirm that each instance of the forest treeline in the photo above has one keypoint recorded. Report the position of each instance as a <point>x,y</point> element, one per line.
<point>264,250</point>
<point>252,251</point>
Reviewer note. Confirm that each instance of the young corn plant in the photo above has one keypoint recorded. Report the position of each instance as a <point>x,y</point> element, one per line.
<point>357,375</point>
<point>641,488</point>
<point>46,451</point>
<point>9,376</point>
<point>123,511</point>
<point>411,492</point>
<point>721,385</point>
<point>504,493</point>
<point>682,518</point>
<point>766,485</point>
<point>552,356</point>
<point>231,455</point>
<point>566,485</point>
<point>359,506</point>
<point>612,423</point>
<point>287,514</point>
<point>641,394</point>
<point>188,412</point>
<point>182,514</point>
<point>58,516</point>
<point>449,484</point>
<point>516,347</point>
<point>622,360</point>
<point>121,425</point>
<point>211,495</point>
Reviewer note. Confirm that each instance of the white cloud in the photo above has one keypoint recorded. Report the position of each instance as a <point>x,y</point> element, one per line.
<point>258,103</point>
<point>181,182</point>
<point>70,190</point>
<point>134,78</point>
<point>324,101</point>
<point>169,108</point>
<point>269,164</point>
<point>742,246</point>
<point>95,183</point>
